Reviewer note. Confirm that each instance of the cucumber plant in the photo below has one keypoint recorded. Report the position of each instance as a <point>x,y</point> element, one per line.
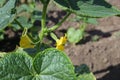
<point>36,61</point>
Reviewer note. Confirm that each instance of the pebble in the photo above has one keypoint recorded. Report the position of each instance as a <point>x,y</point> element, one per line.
<point>105,60</point>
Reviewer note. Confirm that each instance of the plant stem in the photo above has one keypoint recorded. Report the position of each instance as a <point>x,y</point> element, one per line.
<point>43,23</point>
<point>60,23</point>
<point>84,24</point>
<point>21,26</point>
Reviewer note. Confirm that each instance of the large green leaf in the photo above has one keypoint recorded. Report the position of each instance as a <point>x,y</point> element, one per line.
<point>16,66</point>
<point>50,64</point>
<point>89,8</point>
<point>7,13</point>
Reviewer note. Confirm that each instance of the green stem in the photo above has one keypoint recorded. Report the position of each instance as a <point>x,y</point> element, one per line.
<point>84,24</point>
<point>43,23</point>
<point>60,23</point>
<point>19,24</point>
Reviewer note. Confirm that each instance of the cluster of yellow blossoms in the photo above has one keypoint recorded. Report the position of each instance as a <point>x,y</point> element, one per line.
<point>25,42</point>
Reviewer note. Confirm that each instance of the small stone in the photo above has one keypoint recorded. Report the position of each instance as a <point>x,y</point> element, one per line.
<point>105,60</point>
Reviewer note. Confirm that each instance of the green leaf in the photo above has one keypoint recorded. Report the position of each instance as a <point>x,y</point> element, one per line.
<point>50,64</point>
<point>92,21</point>
<point>84,73</point>
<point>85,19</point>
<point>37,15</point>
<point>2,54</point>
<point>24,21</point>
<point>88,8</point>
<point>74,36</point>
<point>88,76</point>
<point>54,65</point>
<point>2,2</point>
<point>25,7</point>
<point>16,66</point>
<point>7,14</point>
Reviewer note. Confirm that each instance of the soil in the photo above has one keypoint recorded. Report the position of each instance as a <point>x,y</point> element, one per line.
<point>102,56</point>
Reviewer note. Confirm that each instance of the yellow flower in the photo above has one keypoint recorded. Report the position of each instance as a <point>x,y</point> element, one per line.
<point>61,42</point>
<point>60,47</point>
<point>25,42</point>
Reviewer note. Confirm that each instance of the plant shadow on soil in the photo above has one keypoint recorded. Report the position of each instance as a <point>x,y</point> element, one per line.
<point>113,74</point>
<point>10,41</point>
<point>93,33</point>
<point>96,32</point>
<point>55,16</point>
